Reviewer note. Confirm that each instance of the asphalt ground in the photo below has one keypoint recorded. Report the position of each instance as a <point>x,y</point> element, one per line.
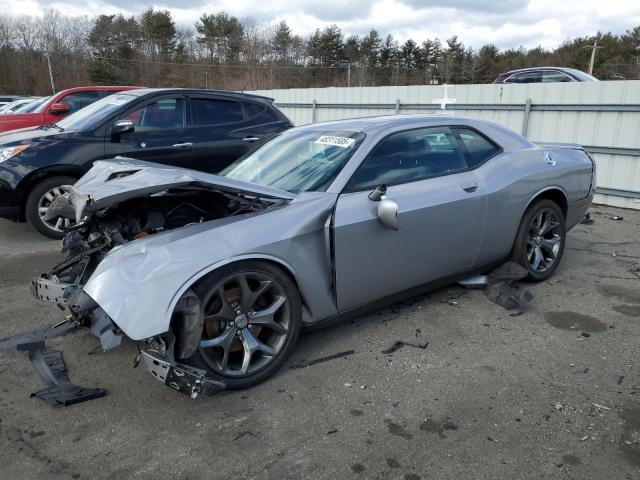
<point>552,393</point>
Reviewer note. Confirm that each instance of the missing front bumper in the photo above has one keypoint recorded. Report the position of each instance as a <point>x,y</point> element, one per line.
<point>88,314</point>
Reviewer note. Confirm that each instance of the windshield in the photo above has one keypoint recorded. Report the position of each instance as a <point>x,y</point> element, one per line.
<point>96,112</point>
<point>32,106</point>
<point>297,161</point>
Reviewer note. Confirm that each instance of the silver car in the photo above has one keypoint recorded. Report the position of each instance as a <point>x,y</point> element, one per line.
<point>215,275</point>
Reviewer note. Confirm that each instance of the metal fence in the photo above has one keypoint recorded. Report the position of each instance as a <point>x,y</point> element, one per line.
<point>604,117</point>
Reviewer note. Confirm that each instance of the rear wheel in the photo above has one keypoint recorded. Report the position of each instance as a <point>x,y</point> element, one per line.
<point>253,315</point>
<point>38,202</point>
<point>539,244</point>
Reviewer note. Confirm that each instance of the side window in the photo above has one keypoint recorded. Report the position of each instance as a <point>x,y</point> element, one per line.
<point>554,76</point>
<point>409,156</point>
<point>527,77</point>
<point>211,111</point>
<point>477,148</point>
<point>259,113</point>
<point>79,100</point>
<point>253,109</point>
<point>166,113</point>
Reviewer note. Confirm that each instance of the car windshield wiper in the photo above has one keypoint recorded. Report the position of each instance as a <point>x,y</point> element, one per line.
<point>51,125</point>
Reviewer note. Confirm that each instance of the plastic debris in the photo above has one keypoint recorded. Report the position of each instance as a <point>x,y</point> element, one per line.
<point>586,220</point>
<point>398,344</point>
<point>503,290</point>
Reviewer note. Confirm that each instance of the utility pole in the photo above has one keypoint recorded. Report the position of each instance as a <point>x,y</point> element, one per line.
<point>53,88</point>
<point>593,48</point>
<point>349,74</point>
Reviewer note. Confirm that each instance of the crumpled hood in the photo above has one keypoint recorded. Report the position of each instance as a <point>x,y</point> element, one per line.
<point>114,181</point>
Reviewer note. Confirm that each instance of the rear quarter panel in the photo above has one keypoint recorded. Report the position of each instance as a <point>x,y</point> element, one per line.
<point>515,178</point>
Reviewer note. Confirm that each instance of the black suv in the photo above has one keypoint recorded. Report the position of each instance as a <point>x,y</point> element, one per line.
<point>200,129</point>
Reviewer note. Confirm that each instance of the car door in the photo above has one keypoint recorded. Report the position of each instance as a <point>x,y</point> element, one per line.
<point>441,215</point>
<point>160,135</point>
<point>226,128</point>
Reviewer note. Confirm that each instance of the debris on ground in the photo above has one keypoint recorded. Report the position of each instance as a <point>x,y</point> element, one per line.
<point>503,290</point>
<point>50,366</point>
<point>398,344</point>
<point>558,406</point>
<point>616,217</point>
<point>244,434</point>
<point>587,220</point>
<point>500,286</point>
<point>328,358</point>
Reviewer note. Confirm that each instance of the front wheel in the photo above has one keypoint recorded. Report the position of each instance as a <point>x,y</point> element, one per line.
<point>252,318</point>
<point>539,244</point>
<point>38,202</point>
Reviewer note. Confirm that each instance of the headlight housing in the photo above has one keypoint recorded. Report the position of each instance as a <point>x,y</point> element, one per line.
<point>7,153</point>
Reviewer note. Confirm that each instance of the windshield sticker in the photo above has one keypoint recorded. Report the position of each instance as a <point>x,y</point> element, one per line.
<point>344,142</point>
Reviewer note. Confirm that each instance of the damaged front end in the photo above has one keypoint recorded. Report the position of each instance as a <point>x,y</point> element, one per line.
<point>117,204</point>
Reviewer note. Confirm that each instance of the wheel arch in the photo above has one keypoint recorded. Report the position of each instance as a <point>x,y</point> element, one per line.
<point>271,259</point>
<point>555,194</point>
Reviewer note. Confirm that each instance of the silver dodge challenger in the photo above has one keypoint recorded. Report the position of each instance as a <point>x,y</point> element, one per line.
<point>215,275</point>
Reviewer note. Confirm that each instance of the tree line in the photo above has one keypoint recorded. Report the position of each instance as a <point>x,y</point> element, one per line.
<point>223,51</point>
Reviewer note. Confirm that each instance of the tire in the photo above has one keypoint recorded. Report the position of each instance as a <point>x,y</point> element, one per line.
<point>35,201</point>
<point>539,246</point>
<point>212,359</point>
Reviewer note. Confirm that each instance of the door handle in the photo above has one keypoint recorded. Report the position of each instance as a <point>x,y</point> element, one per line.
<point>250,139</point>
<point>182,146</point>
<point>470,187</point>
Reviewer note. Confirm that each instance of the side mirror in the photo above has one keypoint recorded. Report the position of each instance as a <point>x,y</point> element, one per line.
<point>122,126</point>
<point>387,208</point>
<point>59,108</point>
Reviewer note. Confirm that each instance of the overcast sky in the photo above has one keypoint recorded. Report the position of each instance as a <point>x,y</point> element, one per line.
<point>506,23</point>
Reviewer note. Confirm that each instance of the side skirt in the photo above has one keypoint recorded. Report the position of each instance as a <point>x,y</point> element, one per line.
<point>398,297</point>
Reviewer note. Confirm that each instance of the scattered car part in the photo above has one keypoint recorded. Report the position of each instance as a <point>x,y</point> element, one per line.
<point>50,366</point>
<point>398,344</point>
<point>502,289</point>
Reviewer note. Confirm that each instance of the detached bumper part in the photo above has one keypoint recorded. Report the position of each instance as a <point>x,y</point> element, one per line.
<point>49,364</point>
<point>51,368</point>
<point>183,378</point>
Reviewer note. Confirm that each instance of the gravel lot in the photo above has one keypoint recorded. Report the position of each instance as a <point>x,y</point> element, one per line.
<point>491,396</point>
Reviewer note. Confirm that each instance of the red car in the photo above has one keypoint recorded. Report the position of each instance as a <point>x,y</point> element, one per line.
<point>58,106</point>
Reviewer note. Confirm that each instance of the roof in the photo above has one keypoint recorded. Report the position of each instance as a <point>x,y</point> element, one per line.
<point>97,87</point>
<point>374,124</point>
<point>375,127</point>
<point>202,91</point>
